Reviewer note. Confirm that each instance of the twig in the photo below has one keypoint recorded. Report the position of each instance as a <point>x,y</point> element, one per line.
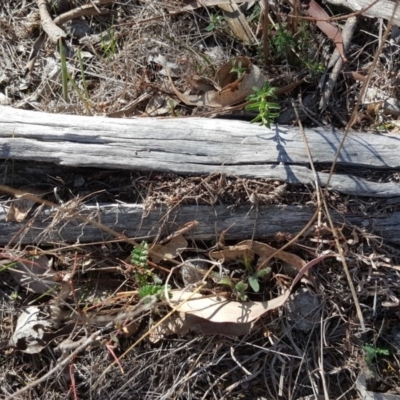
<point>85,10</point>
<point>53,31</point>
<point>337,62</point>
<point>265,37</point>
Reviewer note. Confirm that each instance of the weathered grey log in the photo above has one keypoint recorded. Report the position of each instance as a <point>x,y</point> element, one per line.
<point>242,222</point>
<point>197,146</point>
<point>380,9</point>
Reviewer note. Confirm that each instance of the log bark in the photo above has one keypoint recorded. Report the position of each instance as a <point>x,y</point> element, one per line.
<point>200,146</point>
<point>131,220</point>
<point>196,146</point>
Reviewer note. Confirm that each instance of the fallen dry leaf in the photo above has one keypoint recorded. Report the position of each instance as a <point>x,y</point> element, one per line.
<point>182,323</point>
<point>35,275</point>
<point>232,89</point>
<point>217,309</point>
<point>230,253</point>
<point>34,328</point>
<point>330,30</point>
<point>170,250</point>
<point>248,248</point>
<point>238,22</point>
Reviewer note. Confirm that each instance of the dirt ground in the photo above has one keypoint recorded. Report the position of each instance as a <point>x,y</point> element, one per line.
<point>92,320</point>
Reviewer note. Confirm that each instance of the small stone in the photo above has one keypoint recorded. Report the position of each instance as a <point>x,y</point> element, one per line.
<point>193,271</point>
<point>303,309</point>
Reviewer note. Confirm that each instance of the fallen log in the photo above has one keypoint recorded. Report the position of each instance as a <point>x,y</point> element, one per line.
<point>199,146</point>
<point>134,222</point>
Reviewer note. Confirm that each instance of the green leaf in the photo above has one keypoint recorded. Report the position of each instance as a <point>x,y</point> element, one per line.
<point>253,281</point>
<point>263,272</point>
<point>241,287</point>
<point>224,281</point>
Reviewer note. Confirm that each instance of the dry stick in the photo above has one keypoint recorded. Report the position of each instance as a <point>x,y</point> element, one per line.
<point>63,363</point>
<point>311,161</point>
<point>85,10</point>
<point>53,31</point>
<point>337,62</point>
<point>319,209</point>
<point>265,38</point>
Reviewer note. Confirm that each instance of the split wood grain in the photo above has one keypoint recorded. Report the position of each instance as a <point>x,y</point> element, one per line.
<point>199,146</point>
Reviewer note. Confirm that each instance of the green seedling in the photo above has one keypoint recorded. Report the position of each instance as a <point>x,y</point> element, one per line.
<point>109,43</point>
<point>82,69</point>
<point>151,290</point>
<point>139,258</point>
<point>140,254</point>
<point>254,277</point>
<point>371,353</point>
<point>64,72</point>
<point>216,22</point>
<point>66,77</point>
<point>259,102</point>
<point>282,41</point>
<point>144,275</point>
<point>240,289</point>
<point>238,69</point>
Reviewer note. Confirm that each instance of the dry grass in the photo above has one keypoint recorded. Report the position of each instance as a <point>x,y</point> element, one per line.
<point>276,359</point>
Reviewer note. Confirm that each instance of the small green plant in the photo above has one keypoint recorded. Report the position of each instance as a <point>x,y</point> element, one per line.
<point>238,69</point>
<point>140,254</point>
<point>314,68</point>
<point>82,69</point>
<point>254,277</point>
<point>216,22</point>
<point>371,352</point>
<point>66,77</point>
<point>150,290</point>
<point>109,43</point>
<point>282,41</point>
<point>149,283</point>
<point>139,258</point>
<point>259,101</point>
<point>240,289</point>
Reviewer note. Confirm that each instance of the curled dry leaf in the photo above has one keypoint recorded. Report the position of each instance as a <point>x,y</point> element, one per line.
<point>231,89</point>
<point>34,329</point>
<point>35,275</point>
<point>248,248</point>
<point>170,250</point>
<point>20,208</point>
<point>231,253</point>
